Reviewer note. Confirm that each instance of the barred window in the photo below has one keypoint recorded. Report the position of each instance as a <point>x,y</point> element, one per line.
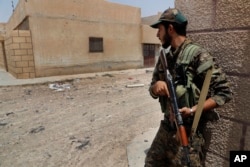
<point>95,44</point>
<point>148,50</point>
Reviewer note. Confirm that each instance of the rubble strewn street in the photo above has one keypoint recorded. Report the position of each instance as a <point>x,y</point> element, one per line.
<point>82,122</point>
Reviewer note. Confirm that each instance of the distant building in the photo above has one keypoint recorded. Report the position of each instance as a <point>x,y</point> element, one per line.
<point>59,37</point>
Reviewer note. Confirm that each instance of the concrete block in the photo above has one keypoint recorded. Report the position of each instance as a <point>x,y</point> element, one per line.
<point>29,57</point>
<point>20,52</point>
<point>232,14</point>
<point>227,47</point>
<point>23,76</point>
<point>24,33</point>
<point>26,45</point>
<point>28,69</point>
<point>22,64</point>
<point>31,64</point>
<point>19,39</point>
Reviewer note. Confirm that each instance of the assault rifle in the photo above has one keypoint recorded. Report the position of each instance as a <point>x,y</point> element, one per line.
<point>176,112</point>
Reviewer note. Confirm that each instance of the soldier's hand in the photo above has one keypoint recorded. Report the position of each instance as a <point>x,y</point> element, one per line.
<point>160,89</point>
<point>185,112</point>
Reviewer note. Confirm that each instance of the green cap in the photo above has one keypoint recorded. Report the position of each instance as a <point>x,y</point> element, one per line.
<point>170,15</point>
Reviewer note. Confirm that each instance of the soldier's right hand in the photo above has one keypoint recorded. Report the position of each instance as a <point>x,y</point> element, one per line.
<point>160,89</point>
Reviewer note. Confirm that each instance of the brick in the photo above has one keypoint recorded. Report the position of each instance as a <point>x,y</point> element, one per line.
<point>14,33</point>
<point>27,58</point>
<point>32,75</point>
<point>18,70</point>
<point>19,39</point>
<point>23,76</point>
<point>25,45</point>
<point>30,51</point>
<point>22,64</point>
<point>28,69</point>
<point>20,52</point>
<point>16,58</point>
<point>24,33</point>
<point>15,46</point>
<point>31,64</point>
<point>28,39</point>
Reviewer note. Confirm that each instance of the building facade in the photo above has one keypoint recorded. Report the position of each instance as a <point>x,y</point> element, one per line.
<point>60,37</point>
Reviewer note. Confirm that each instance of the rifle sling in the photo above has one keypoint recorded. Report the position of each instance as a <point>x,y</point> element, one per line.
<point>201,101</point>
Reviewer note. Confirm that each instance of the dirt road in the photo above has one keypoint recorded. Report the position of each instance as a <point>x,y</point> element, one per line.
<point>88,124</point>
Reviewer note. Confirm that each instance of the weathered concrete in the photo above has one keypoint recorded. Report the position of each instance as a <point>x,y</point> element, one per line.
<point>223,28</point>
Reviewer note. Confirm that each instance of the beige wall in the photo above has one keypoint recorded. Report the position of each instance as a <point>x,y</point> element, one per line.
<point>223,27</point>
<point>149,35</point>
<point>60,35</point>
<point>20,59</point>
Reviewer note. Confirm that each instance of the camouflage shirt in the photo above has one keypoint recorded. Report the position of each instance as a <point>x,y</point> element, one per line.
<point>189,71</point>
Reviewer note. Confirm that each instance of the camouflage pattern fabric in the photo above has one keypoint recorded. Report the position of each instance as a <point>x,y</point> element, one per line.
<point>195,68</point>
<point>188,65</point>
<point>164,148</point>
<point>167,151</point>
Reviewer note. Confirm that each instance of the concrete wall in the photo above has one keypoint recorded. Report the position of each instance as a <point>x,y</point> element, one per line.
<point>149,35</point>
<point>61,29</point>
<point>223,27</point>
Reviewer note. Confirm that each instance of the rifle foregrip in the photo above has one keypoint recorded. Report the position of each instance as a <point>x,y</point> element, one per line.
<point>184,139</point>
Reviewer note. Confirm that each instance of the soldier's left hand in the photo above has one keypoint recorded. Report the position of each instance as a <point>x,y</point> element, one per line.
<point>185,112</point>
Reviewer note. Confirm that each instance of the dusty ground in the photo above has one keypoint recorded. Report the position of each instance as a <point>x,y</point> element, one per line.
<point>88,125</point>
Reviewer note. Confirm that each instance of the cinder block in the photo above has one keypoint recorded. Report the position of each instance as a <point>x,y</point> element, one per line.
<point>227,47</point>
<point>26,45</point>
<point>16,58</point>
<point>14,33</point>
<point>28,39</point>
<point>23,76</point>
<point>200,14</point>
<point>19,40</point>
<point>208,14</point>
<point>30,51</point>
<point>18,70</point>
<point>31,64</point>
<point>20,52</point>
<point>24,33</point>
<point>22,64</point>
<point>32,75</point>
<point>15,46</point>
<point>232,14</point>
<point>29,57</point>
<point>28,69</point>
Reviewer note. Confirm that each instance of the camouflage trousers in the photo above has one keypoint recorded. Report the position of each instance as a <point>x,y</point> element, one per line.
<point>166,150</point>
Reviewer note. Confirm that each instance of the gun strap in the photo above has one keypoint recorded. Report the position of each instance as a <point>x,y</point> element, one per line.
<point>201,101</point>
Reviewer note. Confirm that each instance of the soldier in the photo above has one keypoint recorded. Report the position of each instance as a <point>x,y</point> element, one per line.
<point>188,64</point>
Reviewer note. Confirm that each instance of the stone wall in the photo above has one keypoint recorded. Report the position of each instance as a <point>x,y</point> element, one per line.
<point>223,27</point>
<point>20,57</point>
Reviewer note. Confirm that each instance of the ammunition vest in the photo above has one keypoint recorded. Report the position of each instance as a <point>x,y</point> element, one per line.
<point>187,93</point>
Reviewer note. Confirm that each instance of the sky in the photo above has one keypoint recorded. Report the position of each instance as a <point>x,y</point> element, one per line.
<point>148,7</point>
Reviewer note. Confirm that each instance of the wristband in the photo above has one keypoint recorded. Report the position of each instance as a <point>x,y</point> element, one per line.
<point>191,112</point>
